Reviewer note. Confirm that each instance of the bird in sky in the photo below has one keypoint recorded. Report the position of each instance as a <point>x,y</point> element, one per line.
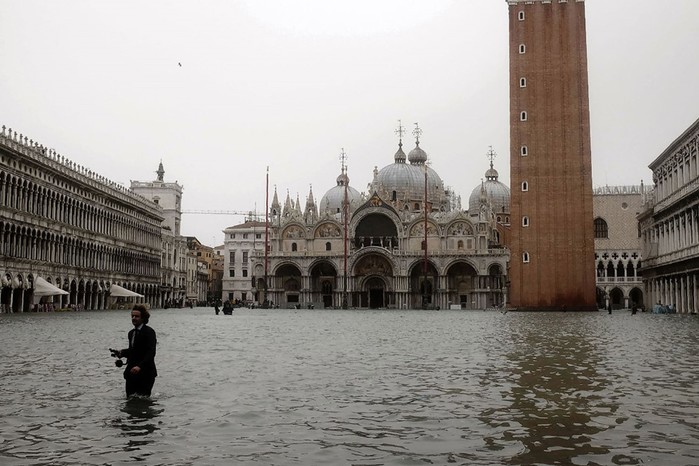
<point>179,64</point>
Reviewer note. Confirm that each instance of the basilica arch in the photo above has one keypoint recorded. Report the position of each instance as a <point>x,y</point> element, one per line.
<point>462,283</point>
<point>376,229</point>
<point>324,283</point>
<point>373,274</point>
<point>287,285</point>
<point>424,282</point>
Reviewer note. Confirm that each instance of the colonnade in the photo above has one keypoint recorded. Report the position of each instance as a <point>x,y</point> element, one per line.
<point>681,291</point>
<point>676,232</point>
<point>24,195</point>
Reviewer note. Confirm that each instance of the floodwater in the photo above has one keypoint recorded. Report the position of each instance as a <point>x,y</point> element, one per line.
<point>278,387</point>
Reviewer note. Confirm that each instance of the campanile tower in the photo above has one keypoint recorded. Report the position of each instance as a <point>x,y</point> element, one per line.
<point>552,243</point>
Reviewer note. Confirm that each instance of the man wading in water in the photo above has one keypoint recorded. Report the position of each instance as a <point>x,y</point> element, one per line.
<point>140,372</point>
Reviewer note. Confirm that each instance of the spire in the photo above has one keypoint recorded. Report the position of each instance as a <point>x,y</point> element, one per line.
<point>311,211</point>
<point>287,205</point>
<point>491,174</point>
<point>399,157</point>
<point>275,200</point>
<point>417,156</point>
<point>161,171</point>
<point>417,132</point>
<point>343,179</point>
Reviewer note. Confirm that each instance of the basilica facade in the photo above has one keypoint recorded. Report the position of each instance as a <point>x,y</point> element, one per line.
<point>405,243</point>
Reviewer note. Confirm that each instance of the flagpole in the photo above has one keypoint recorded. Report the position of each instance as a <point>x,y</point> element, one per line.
<point>345,212</point>
<point>266,234</point>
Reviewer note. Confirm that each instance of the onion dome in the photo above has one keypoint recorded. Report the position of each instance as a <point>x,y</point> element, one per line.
<point>417,156</point>
<point>400,155</point>
<point>496,192</point>
<point>334,199</point>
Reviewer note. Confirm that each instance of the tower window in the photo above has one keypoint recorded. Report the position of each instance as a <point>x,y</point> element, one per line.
<point>394,196</point>
<point>523,116</point>
<point>523,151</point>
<point>328,247</point>
<point>520,16</point>
<point>294,247</point>
<point>522,82</point>
<point>525,257</point>
<point>525,186</point>
<point>525,221</point>
<point>522,49</point>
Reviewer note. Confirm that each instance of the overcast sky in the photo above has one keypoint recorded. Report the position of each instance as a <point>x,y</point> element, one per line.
<point>288,84</point>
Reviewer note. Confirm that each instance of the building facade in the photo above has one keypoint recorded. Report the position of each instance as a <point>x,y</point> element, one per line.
<point>406,244</point>
<point>74,228</point>
<point>200,271</point>
<point>669,225</point>
<point>241,243</point>
<point>168,195</point>
<point>618,246</point>
<point>552,238</point>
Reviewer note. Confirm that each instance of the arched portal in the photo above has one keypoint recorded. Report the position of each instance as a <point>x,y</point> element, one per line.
<point>616,298</point>
<point>424,280</point>
<point>374,272</point>
<point>636,297</point>
<point>462,280</point>
<point>375,291</point>
<point>288,284</point>
<point>17,294</point>
<point>323,280</point>
<point>73,292</point>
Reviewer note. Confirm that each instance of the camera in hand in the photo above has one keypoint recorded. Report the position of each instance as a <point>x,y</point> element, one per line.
<point>115,354</point>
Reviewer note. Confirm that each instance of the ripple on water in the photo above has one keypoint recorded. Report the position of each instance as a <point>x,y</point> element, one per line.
<point>374,387</point>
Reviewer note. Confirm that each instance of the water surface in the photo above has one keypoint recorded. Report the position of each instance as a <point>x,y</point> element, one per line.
<point>277,387</point>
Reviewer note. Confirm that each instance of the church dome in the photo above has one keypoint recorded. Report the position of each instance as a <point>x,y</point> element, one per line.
<point>417,155</point>
<point>333,200</point>
<point>406,182</point>
<point>498,193</point>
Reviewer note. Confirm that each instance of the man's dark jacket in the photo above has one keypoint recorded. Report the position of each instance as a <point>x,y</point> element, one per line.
<point>142,352</point>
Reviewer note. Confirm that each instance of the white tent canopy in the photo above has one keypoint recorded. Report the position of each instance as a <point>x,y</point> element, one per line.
<point>116,291</point>
<point>44,288</point>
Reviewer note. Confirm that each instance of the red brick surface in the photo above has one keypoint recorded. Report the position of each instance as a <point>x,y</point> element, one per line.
<point>558,169</point>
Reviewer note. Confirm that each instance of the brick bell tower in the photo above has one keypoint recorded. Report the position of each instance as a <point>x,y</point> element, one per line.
<point>552,242</point>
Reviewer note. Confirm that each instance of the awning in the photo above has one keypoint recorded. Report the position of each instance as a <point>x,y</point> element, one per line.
<point>117,291</point>
<point>44,288</point>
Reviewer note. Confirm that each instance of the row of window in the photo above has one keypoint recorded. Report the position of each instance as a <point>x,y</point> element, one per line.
<point>246,235</point>
<point>523,151</point>
<point>232,257</point>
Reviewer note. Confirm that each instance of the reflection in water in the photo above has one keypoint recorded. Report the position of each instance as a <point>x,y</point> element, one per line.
<point>555,401</point>
<point>140,421</point>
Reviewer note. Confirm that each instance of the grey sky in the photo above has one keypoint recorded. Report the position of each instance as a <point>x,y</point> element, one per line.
<point>288,84</point>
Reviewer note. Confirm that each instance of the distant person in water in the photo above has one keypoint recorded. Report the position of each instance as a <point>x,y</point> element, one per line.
<point>140,372</point>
